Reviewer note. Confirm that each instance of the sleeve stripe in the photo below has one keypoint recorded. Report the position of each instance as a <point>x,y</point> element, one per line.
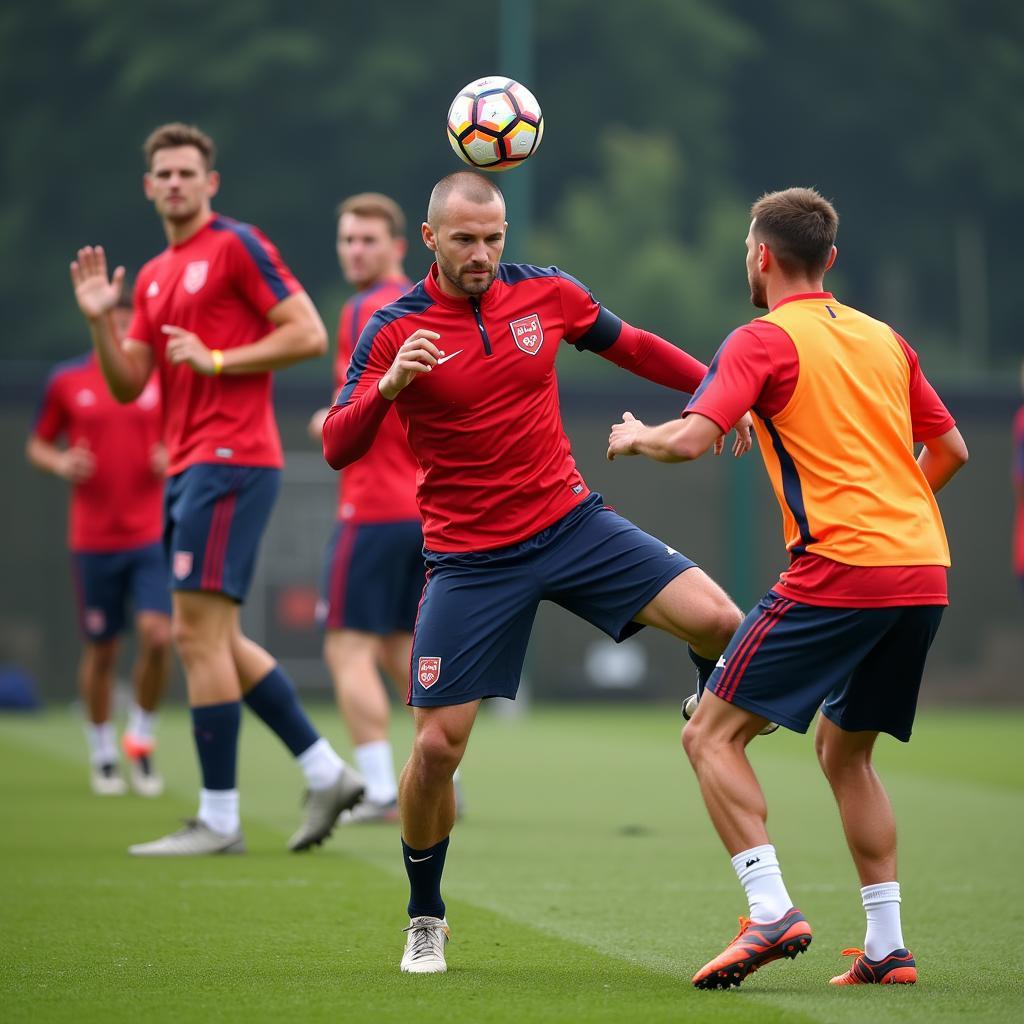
<point>264,263</point>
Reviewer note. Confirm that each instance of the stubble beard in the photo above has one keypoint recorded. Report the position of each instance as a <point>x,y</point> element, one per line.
<point>470,286</point>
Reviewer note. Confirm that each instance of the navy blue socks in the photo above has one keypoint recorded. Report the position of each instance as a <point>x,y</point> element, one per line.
<point>275,701</point>
<point>216,729</point>
<point>424,869</point>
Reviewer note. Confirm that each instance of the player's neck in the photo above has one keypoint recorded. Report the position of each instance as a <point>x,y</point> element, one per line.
<point>779,290</point>
<point>392,274</point>
<point>180,231</point>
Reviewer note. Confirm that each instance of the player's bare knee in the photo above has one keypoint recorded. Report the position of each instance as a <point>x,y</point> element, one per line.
<point>155,635</point>
<point>437,753</point>
<point>104,655</point>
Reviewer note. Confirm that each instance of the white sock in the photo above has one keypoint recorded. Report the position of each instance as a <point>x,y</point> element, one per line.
<point>102,743</point>
<point>378,768</point>
<point>141,724</point>
<point>761,877</point>
<point>321,765</point>
<point>882,905</point>
<point>218,809</point>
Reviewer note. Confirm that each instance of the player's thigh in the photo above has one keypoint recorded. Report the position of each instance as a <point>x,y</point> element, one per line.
<point>605,569</point>
<point>881,694</point>
<point>786,657</point>
<point>204,621</point>
<point>693,607</point>
<point>216,516</point>
<point>395,658</point>
<point>472,632</point>
<point>348,651</point>
<point>102,583</point>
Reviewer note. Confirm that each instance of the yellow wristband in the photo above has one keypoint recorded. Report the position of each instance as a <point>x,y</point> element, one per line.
<point>218,360</point>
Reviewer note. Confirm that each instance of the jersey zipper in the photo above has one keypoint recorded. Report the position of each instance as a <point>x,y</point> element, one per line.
<point>475,303</point>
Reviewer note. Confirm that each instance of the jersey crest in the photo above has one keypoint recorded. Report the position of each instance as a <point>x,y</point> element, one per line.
<point>429,672</point>
<point>195,275</point>
<point>528,333</point>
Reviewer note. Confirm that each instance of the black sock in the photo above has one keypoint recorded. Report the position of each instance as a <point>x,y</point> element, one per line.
<point>274,699</point>
<point>216,727</point>
<point>424,869</point>
<point>705,666</point>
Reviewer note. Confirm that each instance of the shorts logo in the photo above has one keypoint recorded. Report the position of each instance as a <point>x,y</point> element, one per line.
<point>195,276</point>
<point>95,621</point>
<point>182,564</point>
<point>429,672</point>
<point>528,333</point>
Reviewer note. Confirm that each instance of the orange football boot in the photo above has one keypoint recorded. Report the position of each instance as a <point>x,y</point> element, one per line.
<point>898,968</point>
<point>758,943</point>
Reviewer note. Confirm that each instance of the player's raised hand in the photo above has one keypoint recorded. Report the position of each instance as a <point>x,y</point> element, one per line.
<point>623,436</point>
<point>417,355</point>
<point>185,347</point>
<point>95,292</point>
<point>77,464</point>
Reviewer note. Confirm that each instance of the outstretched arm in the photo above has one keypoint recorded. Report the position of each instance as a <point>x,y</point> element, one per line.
<point>676,441</point>
<point>126,367</point>
<point>655,359</point>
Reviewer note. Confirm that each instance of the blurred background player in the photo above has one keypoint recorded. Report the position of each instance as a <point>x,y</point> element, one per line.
<point>115,462</point>
<point>840,401</point>
<point>215,312</point>
<point>466,360</point>
<point>1018,490</point>
<point>373,577</point>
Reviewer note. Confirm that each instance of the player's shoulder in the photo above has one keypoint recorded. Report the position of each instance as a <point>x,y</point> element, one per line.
<point>513,274</point>
<point>68,369</point>
<point>228,231</point>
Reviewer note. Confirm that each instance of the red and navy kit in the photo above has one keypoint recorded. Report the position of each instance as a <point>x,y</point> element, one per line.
<point>484,424</point>
<point>120,506</point>
<point>381,486</point>
<point>508,520</point>
<point>756,369</point>
<point>1018,482</point>
<point>220,284</point>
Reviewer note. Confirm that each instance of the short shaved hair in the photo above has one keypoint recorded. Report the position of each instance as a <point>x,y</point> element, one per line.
<point>799,225</point>
<point>468,184</point>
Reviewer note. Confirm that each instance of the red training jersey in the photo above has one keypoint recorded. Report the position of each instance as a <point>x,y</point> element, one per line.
<point>1018,481</point>
<point>757,369</point>
<point>121,505</point>
<point>381,486</point>
<point>219,284</point>
<point>484,424</point>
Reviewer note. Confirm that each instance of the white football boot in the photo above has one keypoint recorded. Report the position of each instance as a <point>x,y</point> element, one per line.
<point>106,780</point>
<point>424,946</point>
<point>194,840</point>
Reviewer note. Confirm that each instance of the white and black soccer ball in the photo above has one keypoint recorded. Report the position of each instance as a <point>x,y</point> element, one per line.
<point>495,124</point>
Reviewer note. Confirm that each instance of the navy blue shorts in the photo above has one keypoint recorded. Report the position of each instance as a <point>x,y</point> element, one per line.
<point>214,517</point>
<point>107,581</point>
<point>373,578</point>
<point>478,607</point>
<point>862,666</point>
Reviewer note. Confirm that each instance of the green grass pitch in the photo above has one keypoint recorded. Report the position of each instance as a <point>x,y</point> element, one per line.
<point>585,884</point>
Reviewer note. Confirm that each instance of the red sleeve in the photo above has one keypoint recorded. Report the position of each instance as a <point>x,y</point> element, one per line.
<point>52,418</point>
<point>353,421</point>
<point>139,329</point>
<point>738,380</point>
<point>928,415</point>
<point>654,358</point>
<point>260,275</point>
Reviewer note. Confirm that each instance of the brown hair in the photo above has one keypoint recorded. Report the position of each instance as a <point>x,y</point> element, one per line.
<point>375,204</point>
<point>799,226</point>
<point>168,136</point>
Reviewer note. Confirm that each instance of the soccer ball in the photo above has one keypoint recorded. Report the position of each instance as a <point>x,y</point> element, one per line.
<point>495,124</point>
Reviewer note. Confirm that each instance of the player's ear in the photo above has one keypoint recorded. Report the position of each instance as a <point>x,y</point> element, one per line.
<point>212,184</point>
<point>401,248</point>
<point>147,185</point>
<point>764,256</point>
<point>429,238</point>
<point>832,258</point>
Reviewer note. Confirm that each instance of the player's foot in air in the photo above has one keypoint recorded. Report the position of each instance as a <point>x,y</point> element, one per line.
<point>145,779</point>
<point>194,840</point>
<point>106,780</point>
<point>370,812</point>
<point>425,940</point>
<point>898,968</point>
<point>325,806</point>
<point>690,709</point>
<point>757,943</point>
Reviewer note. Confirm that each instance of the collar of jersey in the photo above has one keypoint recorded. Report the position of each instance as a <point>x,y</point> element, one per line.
<point>191,238</point>
<point>801,296</point>
<point>442,298</point>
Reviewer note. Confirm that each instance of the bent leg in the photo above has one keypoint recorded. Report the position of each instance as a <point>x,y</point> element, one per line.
<point>202,628</point>
<point>153,659</point>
